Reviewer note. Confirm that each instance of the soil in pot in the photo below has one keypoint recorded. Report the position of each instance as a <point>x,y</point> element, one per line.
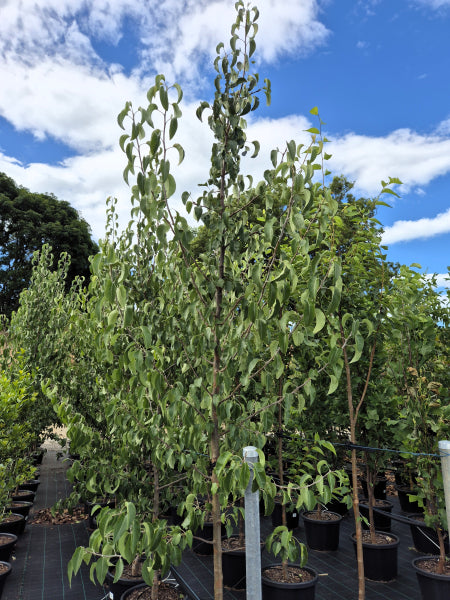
<point>143,591</point>
<point>7,543</point>
<point>380,559</point>
<point>322,530</point>
<point>292,516</point>
<point>425,538</point>
<point>432,585</point>
<point>12,523</point>
<point>5,570</point>
<point>299,585</point>
<point>381,522</point>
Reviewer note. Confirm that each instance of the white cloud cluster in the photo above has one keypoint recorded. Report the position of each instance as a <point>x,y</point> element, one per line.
<point>55,85</point>
<point>404,231</point>
<point>414,158</point>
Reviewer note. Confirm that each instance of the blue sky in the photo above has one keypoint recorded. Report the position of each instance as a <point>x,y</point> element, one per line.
<point>378,70</point>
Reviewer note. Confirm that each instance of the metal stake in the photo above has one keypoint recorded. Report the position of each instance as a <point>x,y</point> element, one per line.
<point>444,448</point>
<point>252,531</point>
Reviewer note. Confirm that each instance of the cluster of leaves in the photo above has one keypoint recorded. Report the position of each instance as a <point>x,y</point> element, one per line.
<point>16,432</point>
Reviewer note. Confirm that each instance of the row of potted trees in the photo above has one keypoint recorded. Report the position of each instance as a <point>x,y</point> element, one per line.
<point>19,441</point>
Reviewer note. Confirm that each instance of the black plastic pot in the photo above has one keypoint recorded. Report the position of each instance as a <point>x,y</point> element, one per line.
<point>425,538</point>
<point>406,504</point>
<point>143,586</point>
<point>25,495</point>
<point>205,548</point>
<point>20,507</point>
<point>292,516</point>
<point>274,590</point>
<point>4,575</point>
<point>381,522</point>
<point>89,505</point>
<point>337,506</point>
<point>37,456</point>
<point>7,546</point>
<point>432,586</point>
<point>322,534</point>
<point>379,489</point>
<point>122,585</point>
<point>31,486</point>
<point>380,560</point>
<point>16,526</point>
<point>233,568</point>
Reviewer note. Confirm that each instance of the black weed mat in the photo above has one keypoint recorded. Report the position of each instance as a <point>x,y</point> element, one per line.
<point>43,551</point>
<point>338,579</point>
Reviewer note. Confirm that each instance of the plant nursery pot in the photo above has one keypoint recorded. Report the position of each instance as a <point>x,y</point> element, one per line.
<point>20,507</point>
<point>277,590</point>
<point>292,516</point>
<point>425,538</point>
<point>233,566</point>
<point>380,560</point>
<point>337,506</point>
<point>143,592</point>
<point>122,585</point>
<point>381,522</point>
<point>432,586</point>
<point>379,489</point>
<point>234,563</point>
<point>7,543</point>
<point>203,548</point>
<point>322,534</point>
<point>13,523</point>
<point>5,570</point>
<point>89,505</point>
<point>25,495</point>
<point>406,504</point>
<point>31,486</point>
<point>37,456</point>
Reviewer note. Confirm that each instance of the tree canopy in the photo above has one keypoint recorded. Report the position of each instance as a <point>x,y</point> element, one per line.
<point>28,221</point>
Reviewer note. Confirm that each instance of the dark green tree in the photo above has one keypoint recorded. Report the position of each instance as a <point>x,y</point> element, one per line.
<point>28,221</point>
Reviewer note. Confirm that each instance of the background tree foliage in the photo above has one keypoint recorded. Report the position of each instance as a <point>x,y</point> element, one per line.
<point>27,221</point>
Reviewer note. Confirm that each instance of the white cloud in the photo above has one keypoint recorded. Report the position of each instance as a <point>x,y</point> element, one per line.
<point>74,104</point>
<point>442,279</point>
<point>414,158</point>
<point>404,231</point>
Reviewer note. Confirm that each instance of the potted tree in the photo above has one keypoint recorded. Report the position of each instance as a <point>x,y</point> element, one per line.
<point>419,365</point>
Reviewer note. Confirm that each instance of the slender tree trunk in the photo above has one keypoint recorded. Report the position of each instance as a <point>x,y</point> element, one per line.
<point>370,478</point>
<point>355,499</point>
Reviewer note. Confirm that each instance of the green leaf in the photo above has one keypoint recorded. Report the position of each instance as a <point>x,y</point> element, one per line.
<point>173,127</point>
<point>320,321</point>
<point>314,111</point>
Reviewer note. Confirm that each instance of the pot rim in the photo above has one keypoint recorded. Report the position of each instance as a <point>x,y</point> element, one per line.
<point>330,512</point>
<point>424,573</point>
<point>289,586</point>
<point>394,544</point>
